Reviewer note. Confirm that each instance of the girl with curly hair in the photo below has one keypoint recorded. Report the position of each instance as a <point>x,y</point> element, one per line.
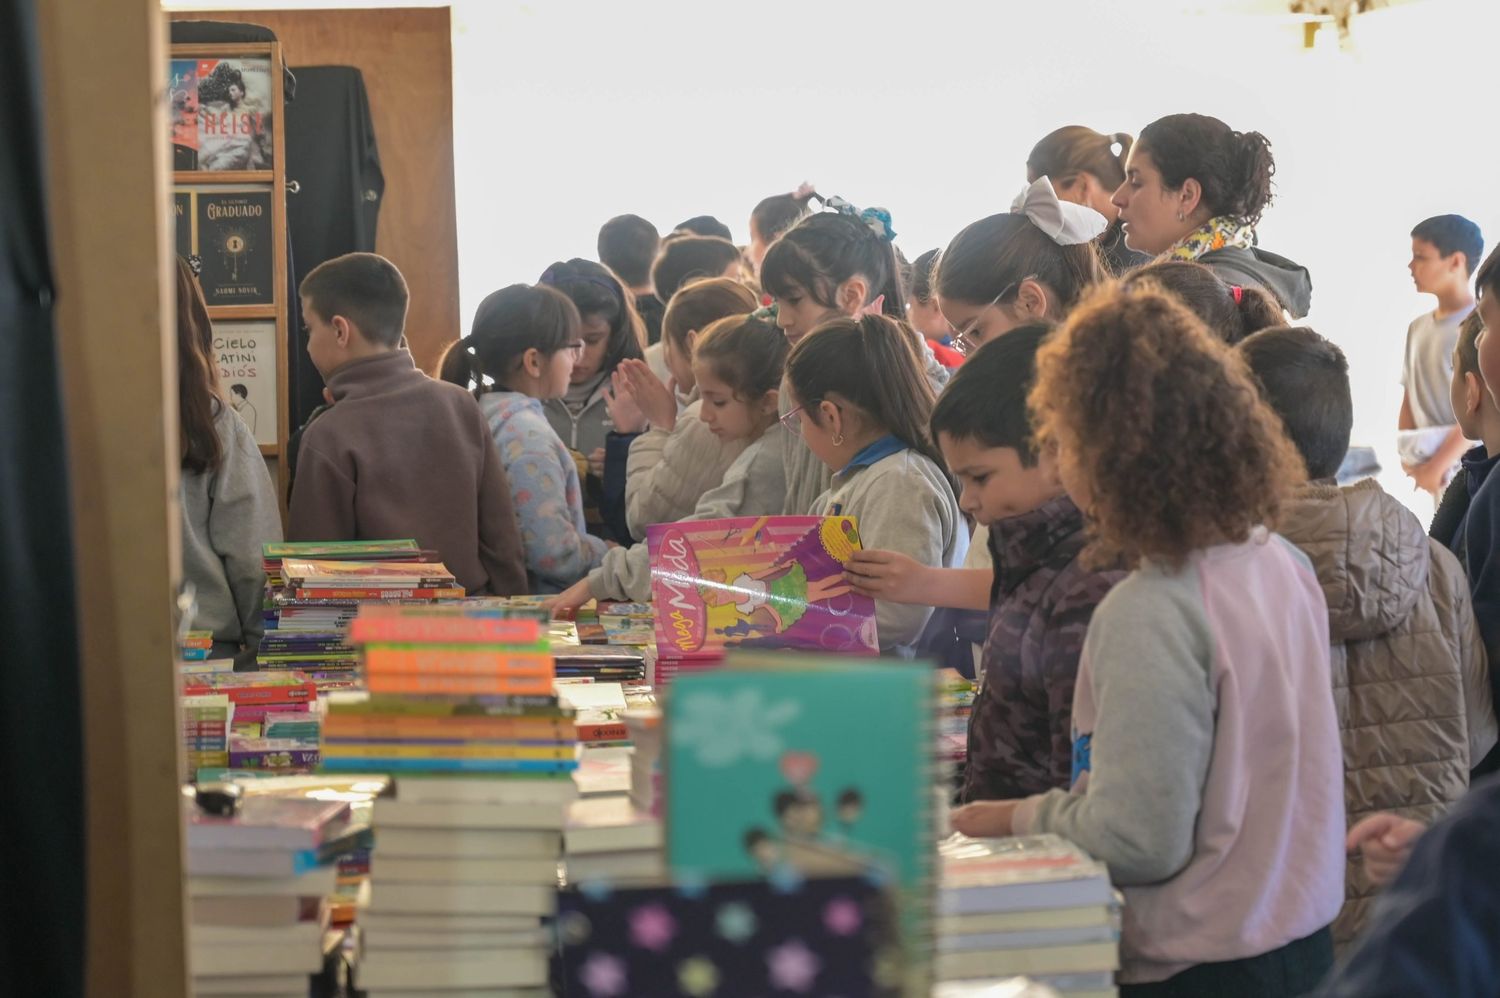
<point>1207,769</point>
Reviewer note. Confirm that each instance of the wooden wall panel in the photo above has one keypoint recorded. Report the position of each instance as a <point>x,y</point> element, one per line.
<point>406,55</point>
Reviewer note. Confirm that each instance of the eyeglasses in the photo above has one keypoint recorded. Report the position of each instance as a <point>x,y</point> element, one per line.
<point>790,422</point>
<point>963,339</point>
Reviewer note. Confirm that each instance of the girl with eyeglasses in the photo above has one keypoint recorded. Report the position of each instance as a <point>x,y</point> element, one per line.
<point>522,351</point>
<point>737,364</point>
<point>860,403</point>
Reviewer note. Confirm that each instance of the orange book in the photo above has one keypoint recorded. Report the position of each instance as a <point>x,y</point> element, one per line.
<point>609,731</point>
<point>375,728</point>
<point>377,625</point>
<point>427,682</point>
<point>458,661</point>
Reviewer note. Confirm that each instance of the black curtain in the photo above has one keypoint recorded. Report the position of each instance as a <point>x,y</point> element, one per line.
<point>41,742</point>
<point>332,158</point>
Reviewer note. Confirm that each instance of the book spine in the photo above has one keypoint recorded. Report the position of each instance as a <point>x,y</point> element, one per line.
<point>527,705</point>
<point>431,683</point>
<point>540,728</point>
<point>369,765</point>
<point>450,750</point>
<point>274,758</point>
<point>374,593</point>
<point>453,662</point>
<point>614,731</point>
<point>284,696</point>
<point>443,630</point>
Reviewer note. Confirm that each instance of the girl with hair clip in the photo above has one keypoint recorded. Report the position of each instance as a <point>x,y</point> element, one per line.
<point>839,262</point>
<point>229,506</point>
<point>1087,167</point>
<point>1195,189</point>
<point>738,366</point>
<point>1207,765</point>
<point>586,413</point>
<point>860,404</point>
<point>519,355</point>
<point>679,458</point>
<point>772,217</point>
<point>1231,311</point>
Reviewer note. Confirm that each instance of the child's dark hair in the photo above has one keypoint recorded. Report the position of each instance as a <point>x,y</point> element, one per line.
<point>690,258</point>
<point>779,212</point>
<point>364,288</point>
<point>1165,426</point>
<point>1453,234</point>
<point>706,225</point>
<point>1231,311</point>
<point>826,249</point>
<point>508,323</point>
<point>1487,277</point>
<point>986,398</point>
<point>1466,351</point>
<point>746,353</point>
<point>1233,168</point>
<point>1305,380</point>
<point>988,260</point>
<point>918,285</point>
<point>596,292</point>
<point>871,363</point>
<point>197,378</point>
<point>697,304</point>
<point>627,245</point>
<point>1075,149</point>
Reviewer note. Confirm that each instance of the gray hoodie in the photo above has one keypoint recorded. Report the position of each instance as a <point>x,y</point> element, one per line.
<point>1288,282</point>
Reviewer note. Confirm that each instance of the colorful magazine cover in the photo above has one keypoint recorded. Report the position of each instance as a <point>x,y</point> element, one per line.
<point>234,114</point>
<point>767,582</point>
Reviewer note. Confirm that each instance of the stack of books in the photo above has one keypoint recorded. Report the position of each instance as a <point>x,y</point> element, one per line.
<point>464,872</point>
<point>257,881</point>
<point>322,616</point>
<point>955,706</point>
<point>1037,906</point>
<point>196,645</point>
<point>607,839</point>
<point>253,696</point>
<point>205,732</point>
<point>601,663</point>
<point>325,657</point>
<point>646,784</point>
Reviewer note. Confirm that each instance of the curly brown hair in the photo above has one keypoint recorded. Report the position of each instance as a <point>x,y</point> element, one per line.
<point>1163,426</point>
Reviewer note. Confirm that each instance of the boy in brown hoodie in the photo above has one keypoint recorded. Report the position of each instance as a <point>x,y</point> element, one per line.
<point>398,454</point>
<point>1411,682</point>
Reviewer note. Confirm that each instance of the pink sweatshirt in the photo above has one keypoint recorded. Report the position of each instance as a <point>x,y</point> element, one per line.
<point>1208,772</point>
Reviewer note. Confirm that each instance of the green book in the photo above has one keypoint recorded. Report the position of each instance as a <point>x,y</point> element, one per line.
<point>778,759</point>
<point>275,550</point>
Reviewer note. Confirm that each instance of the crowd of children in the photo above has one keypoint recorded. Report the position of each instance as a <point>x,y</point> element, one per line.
<point>1085,421</point>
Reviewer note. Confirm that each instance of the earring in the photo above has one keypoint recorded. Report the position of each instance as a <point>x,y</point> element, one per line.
<point>1180,218</point>
<point>838,440</point>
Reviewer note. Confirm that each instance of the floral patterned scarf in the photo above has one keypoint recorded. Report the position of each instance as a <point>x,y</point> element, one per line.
<point>1215,234</point>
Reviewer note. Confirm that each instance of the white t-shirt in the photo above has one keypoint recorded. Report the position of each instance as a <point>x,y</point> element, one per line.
<point>1427,370</point>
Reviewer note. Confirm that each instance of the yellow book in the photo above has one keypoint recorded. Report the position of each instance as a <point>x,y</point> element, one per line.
<point>451,750</point>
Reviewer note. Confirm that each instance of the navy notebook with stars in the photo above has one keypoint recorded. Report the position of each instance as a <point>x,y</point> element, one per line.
<point>785,935</point>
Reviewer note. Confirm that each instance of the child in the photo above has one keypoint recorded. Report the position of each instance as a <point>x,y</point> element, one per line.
<point>627,246</point>
<point>1207,769</point>
<point>1445,249</point>
<point>1231,312</point>
<point>1020,739</point>
<point>1454,504</point>
<point>524,342</point>
<point>773,216</point>
<point>1409,670</point>
<point>922,311</point>
<point>679,458</point>
<point>398,454</point>
<point>1085,167</point>
<point>612,332</point>
<point>738,365</point>
<point>228,503</point>
<point>692,258</point>
<point>705,225</point>
<point>835,263</point>
<point>861,404</point>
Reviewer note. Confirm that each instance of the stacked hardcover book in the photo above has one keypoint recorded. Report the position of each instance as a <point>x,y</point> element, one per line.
<point>257,883</point>
<point>464,872</point>
<point>1036,906</point>
<point>607,839</point>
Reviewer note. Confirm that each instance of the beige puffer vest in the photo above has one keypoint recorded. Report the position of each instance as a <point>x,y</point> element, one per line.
<point>1409,673</point>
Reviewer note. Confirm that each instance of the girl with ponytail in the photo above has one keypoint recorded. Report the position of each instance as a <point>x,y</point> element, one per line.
<point>1230,311</point>
<point>1087,167</point>
<point>520,354</point>
<point>860,404</point>
<point>1195,189</point>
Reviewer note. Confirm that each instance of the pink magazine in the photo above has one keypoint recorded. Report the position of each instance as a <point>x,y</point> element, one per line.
<point>768,582</point>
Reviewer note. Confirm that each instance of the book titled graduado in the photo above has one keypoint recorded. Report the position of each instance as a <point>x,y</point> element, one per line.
<point>768,582</point>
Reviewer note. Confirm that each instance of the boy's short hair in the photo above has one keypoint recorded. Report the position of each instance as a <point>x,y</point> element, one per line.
<point>986,400</point>
<point>1453,234</point>
<point>365,288</point>
<point>1466,354</point>
<point>627,245</point>
<point>1487,280</point>
<point>1304,378</point>
<point>706,225</point>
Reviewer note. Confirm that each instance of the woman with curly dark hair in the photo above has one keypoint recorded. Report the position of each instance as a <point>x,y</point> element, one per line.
<point>1207,765</point>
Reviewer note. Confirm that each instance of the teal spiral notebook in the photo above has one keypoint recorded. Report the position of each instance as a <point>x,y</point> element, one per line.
<point>780,758</point>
